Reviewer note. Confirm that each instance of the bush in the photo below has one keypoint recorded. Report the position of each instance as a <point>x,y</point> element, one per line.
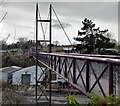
<point>109,52</point>
<point>113,99</point>
<point>71,101</point>
<point>95,99</point>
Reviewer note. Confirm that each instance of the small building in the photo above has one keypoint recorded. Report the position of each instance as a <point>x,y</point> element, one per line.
<point>14,51</point>
<point>68,49</point>
<point>6,73</point>
<point>24,51</point>
<point>19,51</point>
<point>4,52</point>
<point>27,76</point>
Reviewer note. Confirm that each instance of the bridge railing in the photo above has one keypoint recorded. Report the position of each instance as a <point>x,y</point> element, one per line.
<point>87,74</point>
<point>96,55</point>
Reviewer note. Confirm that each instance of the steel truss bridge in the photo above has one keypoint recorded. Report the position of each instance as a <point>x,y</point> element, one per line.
<point>86,73</point>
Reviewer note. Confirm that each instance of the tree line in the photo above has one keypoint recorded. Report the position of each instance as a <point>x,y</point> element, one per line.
<point>93,40</point>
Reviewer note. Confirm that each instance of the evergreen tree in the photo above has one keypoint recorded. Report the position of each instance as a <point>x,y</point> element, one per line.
<point>92,40</point>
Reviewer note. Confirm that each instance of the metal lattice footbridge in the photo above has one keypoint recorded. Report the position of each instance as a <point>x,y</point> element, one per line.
<point>86,73</point>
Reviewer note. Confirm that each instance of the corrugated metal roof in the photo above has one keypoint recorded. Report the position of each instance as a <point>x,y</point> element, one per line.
<point>10,69</point>
<point>30,68</point>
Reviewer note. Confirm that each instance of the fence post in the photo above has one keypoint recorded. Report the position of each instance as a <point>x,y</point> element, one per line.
<point>55,63</point>
<point>87,76</point>
<point>110,78</point>
<point>59,67</point>
<point>65,68</point>
<point>74,71</point>
<point>51,62</point>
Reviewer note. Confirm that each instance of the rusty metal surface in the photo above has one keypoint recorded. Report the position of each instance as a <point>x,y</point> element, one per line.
<point>74,69</point>
<point>97,59</point>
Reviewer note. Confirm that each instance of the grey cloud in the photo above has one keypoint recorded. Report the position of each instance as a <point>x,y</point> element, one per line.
<point>61,0</point>
<point>21,14</point>
<point>70,14</point>
<point>21,6</point>
<point>101,11</point>
<point>57,25</point>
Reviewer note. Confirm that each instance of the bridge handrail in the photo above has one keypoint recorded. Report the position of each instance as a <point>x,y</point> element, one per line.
<point>97,55</point>
<point>94,59</point>
<point>74,85</point>
<point>58,62</point>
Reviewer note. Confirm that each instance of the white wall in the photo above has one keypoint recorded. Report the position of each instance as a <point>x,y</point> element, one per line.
<point>16,79</point>
<point>4,77</point>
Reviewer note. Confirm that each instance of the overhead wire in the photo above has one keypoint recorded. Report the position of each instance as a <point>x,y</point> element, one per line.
<point>62,28</point>
<point>3,17</point>
<point>44,31</point>
<point>1,2</point>
<point>34,26</point>
<point>4,14</point>
<point>47,23</point>
<point>14,36</point>
<point>41,24</point>
<point>4,40</point>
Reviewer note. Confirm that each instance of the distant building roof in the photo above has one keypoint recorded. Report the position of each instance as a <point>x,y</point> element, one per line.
<point>33,49</point>
<point>67,48</point>
<point>30,68</point>
<point>1,51</point>
<point>10,69</point>
<point>14,50</point>
<point>25,50</point>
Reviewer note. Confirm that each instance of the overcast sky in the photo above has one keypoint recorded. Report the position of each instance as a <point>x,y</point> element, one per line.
<point>20,20</point>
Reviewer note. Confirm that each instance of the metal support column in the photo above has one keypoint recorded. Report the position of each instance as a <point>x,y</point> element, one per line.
<point>65,71</point>
<point>50,50</point>
<point>36,52</point>
<point>110,79</point>
<point>74,71</point>
<point>59,66</point>
<point>87,76</point>
<point>54,63</point>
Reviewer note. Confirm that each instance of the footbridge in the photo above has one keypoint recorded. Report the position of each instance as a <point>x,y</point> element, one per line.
<point>86,73</point>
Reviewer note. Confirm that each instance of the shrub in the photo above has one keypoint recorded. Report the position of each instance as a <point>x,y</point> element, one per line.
<point>95,99</point>
<point>71,101</point>
<point>113,99</point>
